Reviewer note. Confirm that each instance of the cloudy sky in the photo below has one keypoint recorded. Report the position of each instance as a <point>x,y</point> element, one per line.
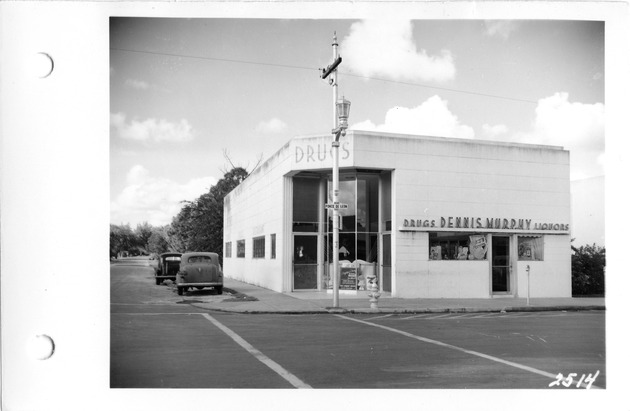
<point>186,92</point>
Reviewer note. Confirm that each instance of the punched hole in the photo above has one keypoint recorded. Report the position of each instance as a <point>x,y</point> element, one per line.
<point>43,64</point>
<point>41,347</point>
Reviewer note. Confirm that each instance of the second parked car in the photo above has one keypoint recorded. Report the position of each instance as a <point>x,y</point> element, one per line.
<point>168,266</point>
<point>199,270</point>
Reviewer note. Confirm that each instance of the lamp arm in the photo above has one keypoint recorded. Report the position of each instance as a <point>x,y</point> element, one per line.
<point>339,132</point>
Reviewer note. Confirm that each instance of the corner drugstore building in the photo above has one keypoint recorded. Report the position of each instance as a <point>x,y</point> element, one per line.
<point>430,217</point>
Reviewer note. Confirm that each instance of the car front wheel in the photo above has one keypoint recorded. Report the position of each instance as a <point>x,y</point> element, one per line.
<point>180,290</point>
<point>219,290</point>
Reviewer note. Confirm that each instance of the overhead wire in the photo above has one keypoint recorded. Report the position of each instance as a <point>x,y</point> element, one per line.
<point>213,59</point>
<point>342,73</point>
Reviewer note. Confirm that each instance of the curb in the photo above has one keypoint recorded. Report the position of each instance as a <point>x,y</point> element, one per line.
<point>330,310</point>
<point>473,310</point>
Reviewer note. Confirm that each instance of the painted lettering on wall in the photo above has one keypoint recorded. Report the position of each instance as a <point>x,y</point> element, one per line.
<point>485,223</point>
<point>316,153</point>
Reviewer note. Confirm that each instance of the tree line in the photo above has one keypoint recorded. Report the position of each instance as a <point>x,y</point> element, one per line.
<point>197,227</point>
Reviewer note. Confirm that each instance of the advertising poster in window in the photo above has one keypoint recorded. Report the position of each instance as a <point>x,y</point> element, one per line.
<point>530,248</point>
<point>436,252</point>
<point>348,278</point>
<point>478,247</point>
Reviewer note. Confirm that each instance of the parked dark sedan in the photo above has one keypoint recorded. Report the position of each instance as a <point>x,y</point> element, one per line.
<point>199,270</point>
<point>168,266</point>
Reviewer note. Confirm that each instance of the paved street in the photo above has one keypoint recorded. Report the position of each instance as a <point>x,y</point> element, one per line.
<point>161,340</point>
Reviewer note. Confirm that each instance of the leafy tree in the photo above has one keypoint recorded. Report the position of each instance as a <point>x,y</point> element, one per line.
<point>143,232</point>
<point>158,242</point>
<point>121,238</point>
<point>180,229</point>
<point>199,224</point>
<point>588,267</point>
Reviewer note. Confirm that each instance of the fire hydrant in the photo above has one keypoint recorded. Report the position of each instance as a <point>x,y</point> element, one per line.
<point>372,286</point>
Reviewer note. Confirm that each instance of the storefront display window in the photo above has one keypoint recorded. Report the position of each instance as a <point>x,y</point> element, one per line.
<point>273,246</point>
<point>386,202</point>
<point>347,196</point>
<point>305,204</point>
<point>259,247</point>
<point>228,249</point>
<point>240,249</point>
<point>530,248</point>
<point>457,246</point>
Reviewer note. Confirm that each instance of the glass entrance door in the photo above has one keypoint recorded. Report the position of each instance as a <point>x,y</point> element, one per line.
<point>304,262</point>
<point>500,264</point>
<point>386,268</point>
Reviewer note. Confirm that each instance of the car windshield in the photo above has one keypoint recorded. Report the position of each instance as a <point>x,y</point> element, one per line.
<point>173,258</point>
<point>199,259</point>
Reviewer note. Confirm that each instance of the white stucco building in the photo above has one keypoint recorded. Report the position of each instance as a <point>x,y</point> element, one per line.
<point>431,217</point>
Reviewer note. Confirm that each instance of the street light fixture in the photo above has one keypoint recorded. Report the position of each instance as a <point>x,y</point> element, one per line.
<point>343,112</point>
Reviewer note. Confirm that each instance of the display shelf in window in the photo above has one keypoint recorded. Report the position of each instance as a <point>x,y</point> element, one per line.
<point>457,246</point>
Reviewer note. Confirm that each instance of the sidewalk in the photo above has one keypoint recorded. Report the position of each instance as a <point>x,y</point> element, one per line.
<point>253,299</point>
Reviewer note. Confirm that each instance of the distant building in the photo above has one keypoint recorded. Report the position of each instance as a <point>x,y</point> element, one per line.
<point>430,217</point>
<point>587,204</point>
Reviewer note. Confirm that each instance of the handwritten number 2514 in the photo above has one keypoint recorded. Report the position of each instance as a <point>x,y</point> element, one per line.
<point>568,380</point>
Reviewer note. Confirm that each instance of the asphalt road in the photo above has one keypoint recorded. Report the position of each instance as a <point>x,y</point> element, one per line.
<point>161,340</point>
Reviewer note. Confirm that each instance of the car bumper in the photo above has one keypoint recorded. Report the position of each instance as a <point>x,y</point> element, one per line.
<point>165,277</point>
<point>210,284</point>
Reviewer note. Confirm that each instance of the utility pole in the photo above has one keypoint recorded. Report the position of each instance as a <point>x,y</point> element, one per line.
<point>337,132</point>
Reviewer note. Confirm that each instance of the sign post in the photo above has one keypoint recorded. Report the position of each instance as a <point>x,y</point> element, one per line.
<point>527,284</point>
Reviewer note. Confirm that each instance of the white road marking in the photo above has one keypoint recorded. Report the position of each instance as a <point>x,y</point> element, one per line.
<point>144,304</point>
<point>292,379</point>
<point>416,316</point>
<point>380,316</point>
<point>453,347</point>
<point>155,314</point>
<point>461,316</point>
<point>439,316</point>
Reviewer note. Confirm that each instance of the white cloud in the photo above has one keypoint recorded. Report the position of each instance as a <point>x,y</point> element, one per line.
<point>137,175</point>
<point>577,127</point>
<point>494,132</point>
<point>271,126</point>
<point>151,129</point>
<point>152,199</point>
<point>571,124</point>
<point>501,28</point>
<point>431,118</point>
<point>387,48</point>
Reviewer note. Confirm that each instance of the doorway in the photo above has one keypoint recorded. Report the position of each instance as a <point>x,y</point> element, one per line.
<point>386,267</point>
<point>304,262</point>
<point>500,264</point>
